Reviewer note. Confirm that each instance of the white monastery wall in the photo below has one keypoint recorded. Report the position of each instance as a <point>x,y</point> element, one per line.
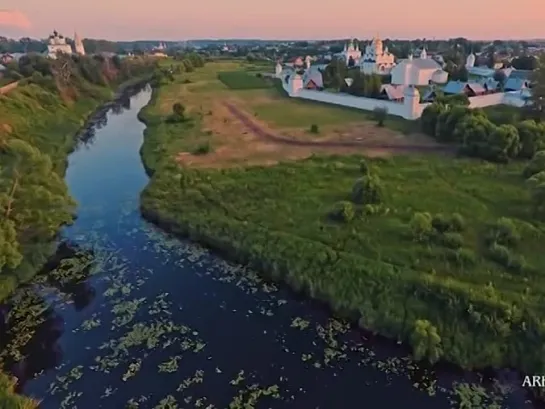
<point>405,109</point>
<point>505,98</point>
<point>367,104</point>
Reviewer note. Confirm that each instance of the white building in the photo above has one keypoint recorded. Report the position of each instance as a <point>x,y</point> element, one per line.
<point>470,61</point>
<point>377,59</point>
<point>418,71</point>
<point>78,45</point>
<point>57,44</point>
<point>351,51</point>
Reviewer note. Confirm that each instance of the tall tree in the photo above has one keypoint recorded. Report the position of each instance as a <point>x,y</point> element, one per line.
<point>34,199</point>
<point>537,99</point>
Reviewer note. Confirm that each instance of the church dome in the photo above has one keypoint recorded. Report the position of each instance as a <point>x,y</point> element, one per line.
<point>439,77</point>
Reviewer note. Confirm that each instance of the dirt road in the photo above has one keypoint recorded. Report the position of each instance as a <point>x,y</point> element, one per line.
<point>257,130</point>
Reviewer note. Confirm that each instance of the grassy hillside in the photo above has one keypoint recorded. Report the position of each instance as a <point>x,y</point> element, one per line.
<point>443,253</point>
<point>38,123</point>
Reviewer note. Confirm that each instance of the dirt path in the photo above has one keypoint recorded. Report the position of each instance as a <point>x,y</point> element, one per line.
<point>260,132</point>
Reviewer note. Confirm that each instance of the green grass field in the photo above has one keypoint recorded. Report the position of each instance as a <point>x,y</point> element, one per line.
<point>243,80</point>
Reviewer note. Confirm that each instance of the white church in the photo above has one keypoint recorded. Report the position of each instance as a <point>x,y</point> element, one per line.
<point>375,60</point>
<point>418,71</point>
<point>57,44</point>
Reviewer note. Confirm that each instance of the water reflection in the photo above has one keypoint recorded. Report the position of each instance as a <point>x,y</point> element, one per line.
<point>30,327</point>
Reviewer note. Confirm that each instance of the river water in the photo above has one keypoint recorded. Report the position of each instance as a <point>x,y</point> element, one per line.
<point>135,318</point>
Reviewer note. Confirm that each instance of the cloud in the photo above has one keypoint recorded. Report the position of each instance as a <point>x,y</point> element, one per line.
<point>14,18</point>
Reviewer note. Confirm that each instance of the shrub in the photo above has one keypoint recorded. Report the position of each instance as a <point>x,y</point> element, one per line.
<point>536,165</point>
<point>421,226</point>
<point>461,257</point>
<point>342,211</point>
<point>457,222</point>
<point>500,254</point>
<point>503,232</point>
<point>367,190</point>
<point>380,114</point>
<point>202,149</point>
<point>364,168</point>
<point>451,240</point>
<point>441,223</point>
<point>314,129</point>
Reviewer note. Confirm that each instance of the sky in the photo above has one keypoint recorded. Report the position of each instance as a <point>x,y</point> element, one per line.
<point>274,19</point>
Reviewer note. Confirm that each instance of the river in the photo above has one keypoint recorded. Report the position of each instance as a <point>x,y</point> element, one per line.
<point>155,322</point>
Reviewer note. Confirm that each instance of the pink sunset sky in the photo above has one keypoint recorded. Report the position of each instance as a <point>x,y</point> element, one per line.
<point>274,19</point>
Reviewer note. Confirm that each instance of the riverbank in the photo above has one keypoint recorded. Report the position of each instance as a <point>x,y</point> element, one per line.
<point>442,291</point>
<point>39,128</point>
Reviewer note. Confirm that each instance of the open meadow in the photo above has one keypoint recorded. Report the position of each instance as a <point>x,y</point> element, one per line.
<point>414,246</point>
<point>207,92</point>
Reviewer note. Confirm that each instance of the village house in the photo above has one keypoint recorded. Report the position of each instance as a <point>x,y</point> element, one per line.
<point>6,58</point>
<point>418,71</point>
<point>516,84</point>
<point>471,89</point>
<point>393,92</point>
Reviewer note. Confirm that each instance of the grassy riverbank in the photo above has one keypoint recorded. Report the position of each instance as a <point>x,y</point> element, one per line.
<point>429,252</point>
<point>38,123</point>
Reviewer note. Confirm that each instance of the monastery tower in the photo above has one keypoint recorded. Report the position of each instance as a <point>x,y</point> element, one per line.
<point>78,45</point>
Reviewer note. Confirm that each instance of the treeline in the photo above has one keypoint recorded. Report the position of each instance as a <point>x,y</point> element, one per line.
<point>450,120</point>
<point>39,121</point>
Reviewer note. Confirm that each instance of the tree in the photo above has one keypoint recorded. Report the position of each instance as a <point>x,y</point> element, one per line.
<point>425,341</point>
<point>473,131</point>
<point>525,62</point>
<point>447,121</point>
<point>421,226</point>
<point>536,165</point>
<point>503,143</point>
<point>430,115</point>
<point>532,138</point>
<point>34,200</point>
<point>188,66</point>
<point>367,190</point>
<point>538,198</point>
<point>537,99</point>
<point>372,85</point>
<point>500,76</point>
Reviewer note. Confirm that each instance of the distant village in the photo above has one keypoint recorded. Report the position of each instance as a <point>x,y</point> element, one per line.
<point>491,69</point>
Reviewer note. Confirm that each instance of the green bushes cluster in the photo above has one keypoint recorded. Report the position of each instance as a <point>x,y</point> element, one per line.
<point>453,121</point>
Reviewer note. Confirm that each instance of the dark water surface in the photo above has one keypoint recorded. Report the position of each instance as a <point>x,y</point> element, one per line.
<point>140,319</point>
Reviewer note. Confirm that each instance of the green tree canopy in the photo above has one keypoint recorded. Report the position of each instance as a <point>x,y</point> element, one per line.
<point>425,341</point>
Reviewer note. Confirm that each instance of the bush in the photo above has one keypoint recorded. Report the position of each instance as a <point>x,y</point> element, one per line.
<point>202,149</point>
<point>314,129</point>
<point>461,257</point>
<point>503,232</point>
<point>421,226</point>
<point>367,190</point>
<point>457,222</point>
<point>342,212</point>
<point>451,240</point>
<point>380,114</point>
<point>364,168</point>
<point>442,223</point>
<point>500,254</point>
<point>536,165</point>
